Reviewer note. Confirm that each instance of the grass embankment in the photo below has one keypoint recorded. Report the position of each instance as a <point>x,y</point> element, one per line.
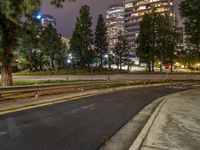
<point>70,72</point>
<point>34,82</point>
<point>40,82</point>
<point>112,83</point>
<point>94,72</point>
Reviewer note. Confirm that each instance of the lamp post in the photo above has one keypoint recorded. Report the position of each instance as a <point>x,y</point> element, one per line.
<point>198,66</point>
<point>106,56</point>
<point>39,17</point>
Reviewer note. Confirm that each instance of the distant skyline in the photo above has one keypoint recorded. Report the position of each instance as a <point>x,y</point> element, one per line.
<point>66,16</point>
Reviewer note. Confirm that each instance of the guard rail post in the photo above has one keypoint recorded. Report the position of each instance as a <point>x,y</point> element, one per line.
<point>36,92</point>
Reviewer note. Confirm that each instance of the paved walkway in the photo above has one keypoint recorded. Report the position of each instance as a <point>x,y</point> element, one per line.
<point>177,125</point>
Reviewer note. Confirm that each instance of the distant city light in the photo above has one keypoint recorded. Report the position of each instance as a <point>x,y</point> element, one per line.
<point>38,16</point>
<point>106,56</point>
<point>68,61</point>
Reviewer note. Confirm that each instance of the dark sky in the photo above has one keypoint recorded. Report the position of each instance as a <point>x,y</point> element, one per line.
<point>66,16</point>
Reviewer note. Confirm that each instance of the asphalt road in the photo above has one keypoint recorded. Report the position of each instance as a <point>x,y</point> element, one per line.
<point>83,124</point>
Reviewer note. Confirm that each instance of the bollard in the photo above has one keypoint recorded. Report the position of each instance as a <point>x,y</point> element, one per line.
<point>36,93</point>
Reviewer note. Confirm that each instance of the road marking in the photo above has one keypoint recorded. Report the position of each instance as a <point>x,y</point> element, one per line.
<point>93,108</point>
<point>197,85</point>
<point>75,111</point>
<point>88,106</point>
<point>47,104</point>
<point>14,130</point>
<point>3,133</point>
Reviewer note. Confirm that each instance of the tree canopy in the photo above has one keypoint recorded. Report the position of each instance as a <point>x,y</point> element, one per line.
<point>101,43</point>
<point>11,13</point>
<point>82,39</point>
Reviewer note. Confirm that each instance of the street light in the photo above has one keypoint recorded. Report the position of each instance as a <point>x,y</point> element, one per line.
<point>198,66</point>
<point>68,61</point>
<point>106,56</point>
<point>39,16</point>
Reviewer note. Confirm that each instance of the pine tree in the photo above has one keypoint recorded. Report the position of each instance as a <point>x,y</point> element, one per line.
<point>121,51</point>
<point>167,40</point>
<point>101,44</point>
<point>28,46</point>
<point>146,41</point>
<point>158,39</point>
<point>51,45</point>
<point>82,38</point>
<point>190,11</point>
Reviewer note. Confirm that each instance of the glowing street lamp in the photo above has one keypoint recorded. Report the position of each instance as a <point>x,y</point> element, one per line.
<point>69,61</point>
<point>177,64</point>
<point>39,17</point>
<point>106,56</point>
<point>198,66</point>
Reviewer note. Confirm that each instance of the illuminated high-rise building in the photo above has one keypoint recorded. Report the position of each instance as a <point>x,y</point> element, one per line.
<point>115,24</point>
<point>134,11</point>
<point>47,20</point>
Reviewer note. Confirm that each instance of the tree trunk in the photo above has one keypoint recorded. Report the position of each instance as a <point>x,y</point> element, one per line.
<point>149,65</point>
<point>161,61</point>
<point>128,66</point>
<point>172,67</point>
<point>52,64</point>
<point>120,63</point>
<point>6,69</point>
<point>101,60</point>
<point>153,63</point>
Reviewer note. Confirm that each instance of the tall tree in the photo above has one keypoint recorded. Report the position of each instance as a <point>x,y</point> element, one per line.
<point>121,51</point>
<point>158,39</point>
<point>167,39</point>
<point>28,46</point>
<point>82,38</point>
<point>101,44</point>
<point>146,41</point>
<point>51,45</point>
<point>11,12</point>
<point>190,11</point>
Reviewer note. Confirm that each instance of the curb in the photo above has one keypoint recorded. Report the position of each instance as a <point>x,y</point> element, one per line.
<point>75,96</point>
<point>132,134</point>
<point>142,135</point>
<point>125,136</point>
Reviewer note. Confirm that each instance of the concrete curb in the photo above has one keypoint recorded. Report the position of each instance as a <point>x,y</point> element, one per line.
<point>140,138</point>
<point>132,134</point>
<point>68,97</point>
<point>123,138</point>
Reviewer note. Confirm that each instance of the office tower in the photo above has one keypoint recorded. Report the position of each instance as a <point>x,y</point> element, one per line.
<point>47,20</point>
<point>134,11</point>
<point>115,24</point>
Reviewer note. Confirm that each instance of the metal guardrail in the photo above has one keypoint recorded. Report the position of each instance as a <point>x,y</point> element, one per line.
<point>60,88</point>
<point>16,92</point>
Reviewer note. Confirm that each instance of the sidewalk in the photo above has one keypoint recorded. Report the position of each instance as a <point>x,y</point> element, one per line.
<point>176,126</point>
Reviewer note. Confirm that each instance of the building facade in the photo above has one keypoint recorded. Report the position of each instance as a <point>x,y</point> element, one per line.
<point>115,24</point>
<point>65,41</point>
<point>134,11</point>
<point>47,20</point>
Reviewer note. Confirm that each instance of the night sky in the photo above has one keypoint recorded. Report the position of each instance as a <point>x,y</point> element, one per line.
<point>66,16</point>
